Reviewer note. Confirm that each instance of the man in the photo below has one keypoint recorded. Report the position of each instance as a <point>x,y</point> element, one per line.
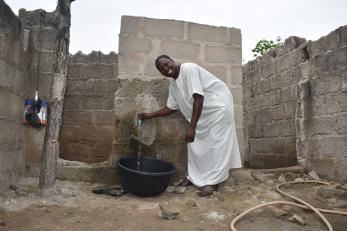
<point>207,104</point>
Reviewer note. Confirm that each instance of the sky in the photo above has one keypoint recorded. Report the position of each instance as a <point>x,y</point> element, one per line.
<point>95,25</point>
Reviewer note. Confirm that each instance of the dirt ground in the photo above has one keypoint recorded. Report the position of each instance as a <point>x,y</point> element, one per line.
<point>74,207</point>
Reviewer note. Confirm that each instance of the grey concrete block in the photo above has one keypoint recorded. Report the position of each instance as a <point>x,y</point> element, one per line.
<point>223,54</point>
<point>129,25</point>
<point>178,49</point>
<point>208,33</point>
<point>163,28</point>
<point>134,45</point>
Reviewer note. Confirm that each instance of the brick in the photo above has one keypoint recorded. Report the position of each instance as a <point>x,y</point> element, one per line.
<point>236,76</point>
<point>290,146</point>
<point>237,95</point>
<point>47,61</point>
<point>267,145</point>
<point>98,71</point>
<point>163,28</point>
<point>218,71</point>
<point>222,54</point>
<point>324,85</point>
<point>235,36</point>
<point>77,117</point>
<point>207,33</point>
<point>288,94</point>
<point>256,131</point>
<point>331,146</point>
<point>103,102</point>
<point>329,104</point>
<point>130,63</point>
<point>324,167</point>
<point>171,131</point>
<point>324,125</point>
<point>178,49</point>
<point>74,71</point>
<point>276,160</point>
<point>262,115</point>
<point>48,39</point>
<point>129,25</point>
<point>150,68</point>
<point>134,45</point>
<point>104,118</point>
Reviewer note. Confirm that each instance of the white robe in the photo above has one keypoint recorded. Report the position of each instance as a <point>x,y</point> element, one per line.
<point>215,149</point>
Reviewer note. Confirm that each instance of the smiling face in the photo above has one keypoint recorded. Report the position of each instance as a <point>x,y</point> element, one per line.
<point>168,68</point>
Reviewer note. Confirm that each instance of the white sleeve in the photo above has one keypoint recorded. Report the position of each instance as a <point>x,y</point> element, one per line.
<point>193,81</point>
<point>171,100</point>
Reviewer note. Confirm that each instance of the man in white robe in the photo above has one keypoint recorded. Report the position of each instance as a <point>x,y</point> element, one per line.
<point>206,102</point>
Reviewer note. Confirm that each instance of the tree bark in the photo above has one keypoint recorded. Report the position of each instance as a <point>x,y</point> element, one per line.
<point>50,152</point>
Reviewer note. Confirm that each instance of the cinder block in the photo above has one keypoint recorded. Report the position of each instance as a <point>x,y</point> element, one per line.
<point>171,131</point>
<point>7,75</point>
<point>324,167</point>
<point>150,68</point>
<point>130,63</point>
<point>326,84</point>
<point>218,71</point>
<point>48,39</point>
<point>129,25</point>
<point>95,102</point>
<point>255,130</point>
<point>207,33</point>
<point>329,104</point>
<point>288,94</point>
<point>77,117</point>
<point>98,71</point>
<point>237,95</point>
<point>223,54</point>
<point>74,71</point>
<point>235,36</point>
<point>134,45</point>
<point>163,28</point>
<point>272,160</point>
<point>178,49</point>
<point>236,76</point>
<point>8,134</point>
<point>104,118</point>
<point>238,114</point>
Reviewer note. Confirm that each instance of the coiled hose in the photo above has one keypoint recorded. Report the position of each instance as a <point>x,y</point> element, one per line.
<point>302,204</point>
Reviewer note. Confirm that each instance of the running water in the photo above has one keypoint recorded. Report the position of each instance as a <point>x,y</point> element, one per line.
<point>139,151</point>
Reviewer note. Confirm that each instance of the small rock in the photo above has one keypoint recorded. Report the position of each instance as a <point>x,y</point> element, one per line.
<point>263,177</point>
<point>287,208</point>
<point>290,176</point>
<point>299,180</point>
<point>168,212</point>
<point>191,203</point>
<point>213,215</point>
<point>297,218</point>
<point>242,177</point>
<point>180,190</point>
<point>269,182</point>
<point>170,189</point>
<point>314,175</point>
<point>277,212</point>
<point>281,179</point>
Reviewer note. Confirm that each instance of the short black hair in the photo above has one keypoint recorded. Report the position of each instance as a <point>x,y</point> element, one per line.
<point>162,57</point>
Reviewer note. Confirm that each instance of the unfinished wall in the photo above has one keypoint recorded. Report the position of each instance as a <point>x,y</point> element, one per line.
<point>31,24</point>
<point>295,104</point>
<point>88,120</point>
<point>141,40</point>
<point>12,83</point>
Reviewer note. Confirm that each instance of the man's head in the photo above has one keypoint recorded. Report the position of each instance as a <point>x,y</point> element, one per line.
<point>166,66</point>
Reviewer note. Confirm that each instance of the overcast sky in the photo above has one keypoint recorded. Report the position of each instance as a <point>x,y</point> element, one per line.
<point>96,23</point>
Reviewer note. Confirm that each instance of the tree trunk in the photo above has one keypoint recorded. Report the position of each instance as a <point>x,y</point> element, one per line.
<point>50,153</point>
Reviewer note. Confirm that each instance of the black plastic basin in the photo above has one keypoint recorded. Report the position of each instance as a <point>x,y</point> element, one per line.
<point>151,180</point>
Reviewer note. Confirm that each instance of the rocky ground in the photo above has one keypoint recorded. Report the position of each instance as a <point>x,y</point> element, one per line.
<point>73,206</point>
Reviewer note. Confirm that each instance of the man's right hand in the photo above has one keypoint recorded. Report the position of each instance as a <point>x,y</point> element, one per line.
<point>143,116</point>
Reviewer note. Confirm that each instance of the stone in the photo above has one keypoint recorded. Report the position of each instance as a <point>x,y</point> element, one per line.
<point>277,212</point>
<point>180,190</point>
<point>263,177</point>
<point>170,189</point>
<point>242,177</point>
<point>314,175</point>
<point>299,179</point>
<point>332,192</point>
<point>191,202</point>
<point>269,182</point>
<point>168,212</point>
<point>298,219</point>
<point>281,179</point>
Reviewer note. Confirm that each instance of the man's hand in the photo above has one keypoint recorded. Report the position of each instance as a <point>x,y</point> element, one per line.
<point>190,135</point>
<point>142,116</point>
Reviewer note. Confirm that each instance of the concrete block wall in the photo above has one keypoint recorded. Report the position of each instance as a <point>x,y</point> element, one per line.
<point>270,99</point>
<point>141,40</point>
<point>295,105</point>
<point>88,127</point>
<point>31,24</point>
<point>13,79</point>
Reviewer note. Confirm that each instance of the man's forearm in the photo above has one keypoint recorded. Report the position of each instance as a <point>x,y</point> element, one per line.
<point>162,112</point>
<point>197,109</point>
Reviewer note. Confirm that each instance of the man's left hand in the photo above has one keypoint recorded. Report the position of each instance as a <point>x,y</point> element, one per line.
<point>190,135</point>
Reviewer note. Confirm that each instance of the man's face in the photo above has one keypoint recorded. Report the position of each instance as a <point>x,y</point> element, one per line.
<point>167,67</point>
